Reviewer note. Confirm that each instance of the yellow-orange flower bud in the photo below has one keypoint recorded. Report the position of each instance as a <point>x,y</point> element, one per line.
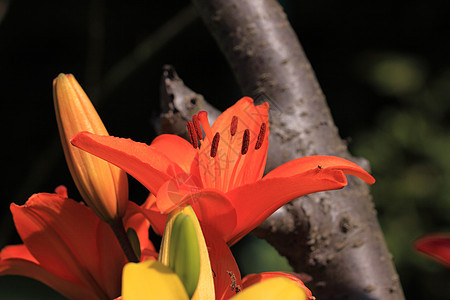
<point>103,186</point>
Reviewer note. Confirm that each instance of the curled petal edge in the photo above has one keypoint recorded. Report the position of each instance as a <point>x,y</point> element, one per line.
<point>263,197</point>
<point>436,246</point>
<point>319,162</point>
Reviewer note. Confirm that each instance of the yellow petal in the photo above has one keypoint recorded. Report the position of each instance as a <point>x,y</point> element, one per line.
<point>205,286</point>
<point>274,288</point>
<point>104,187</point>
<point>151,280</point>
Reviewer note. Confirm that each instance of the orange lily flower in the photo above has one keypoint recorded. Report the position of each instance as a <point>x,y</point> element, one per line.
<point>436,246</point>
<point>67,247</point>
<point>222,177</point>
<point>104,187</point>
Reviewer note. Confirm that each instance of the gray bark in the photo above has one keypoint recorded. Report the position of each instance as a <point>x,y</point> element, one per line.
<point>332,236</point>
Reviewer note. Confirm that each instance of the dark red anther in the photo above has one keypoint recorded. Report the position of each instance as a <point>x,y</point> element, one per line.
<point>192,134</point>
<point>197,127</point>
<point>215,145</point>
<point>233,126</point>
<point>245,142</point>
<point>261,135</point>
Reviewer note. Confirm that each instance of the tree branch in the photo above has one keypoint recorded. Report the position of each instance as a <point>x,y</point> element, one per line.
<point>333,236</point>
<point>179,103</point>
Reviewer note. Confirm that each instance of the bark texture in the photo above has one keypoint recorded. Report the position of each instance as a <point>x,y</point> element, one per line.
<point>178,104</point>
<point>333,236</point>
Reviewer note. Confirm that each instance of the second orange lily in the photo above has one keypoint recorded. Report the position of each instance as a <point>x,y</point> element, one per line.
<point>69,248</point>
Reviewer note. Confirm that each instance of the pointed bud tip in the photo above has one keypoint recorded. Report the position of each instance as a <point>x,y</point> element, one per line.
<point>62,76</point>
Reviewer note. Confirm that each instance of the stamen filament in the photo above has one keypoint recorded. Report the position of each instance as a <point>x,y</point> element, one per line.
<point>214,148</point>
<point>243,171</point>
<point>233,129</point>
<point>233,174</point>
<point>217,173</point>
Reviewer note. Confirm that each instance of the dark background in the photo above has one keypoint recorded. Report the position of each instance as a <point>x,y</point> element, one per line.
<point>384,67</point>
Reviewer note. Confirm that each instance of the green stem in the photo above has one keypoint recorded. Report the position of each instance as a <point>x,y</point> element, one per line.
<point>119,231</point>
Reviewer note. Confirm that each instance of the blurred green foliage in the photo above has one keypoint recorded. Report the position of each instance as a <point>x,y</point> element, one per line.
<point>255,255</point>
<point>409,150</point>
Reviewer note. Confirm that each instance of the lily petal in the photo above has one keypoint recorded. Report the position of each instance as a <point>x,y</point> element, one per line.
<point>229,148</point>
<point>258,156</point>
<point>264,197</point>
<point>18,252</point>
<point>437,246</point>
<point>135,218</point>
<point>252,279</point>
<point>175,192</point>
<point>154,215</point>
<point>215,210</point>
<point>16,260</point>
<point>210,205</point>
<point>151,280</point>
<point>178,149</point>
<point>319,162</point>
<point>79,252</point>
<point>143,162</point>
<point>227,277</point>
<point>274,288</point>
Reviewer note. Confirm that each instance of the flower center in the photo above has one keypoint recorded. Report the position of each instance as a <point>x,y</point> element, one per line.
<point>226,166</point>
